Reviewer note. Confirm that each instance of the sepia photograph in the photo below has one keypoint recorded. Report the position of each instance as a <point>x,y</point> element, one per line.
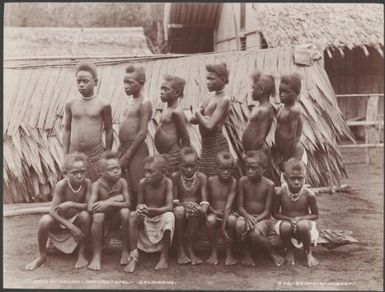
<point>193,146</point>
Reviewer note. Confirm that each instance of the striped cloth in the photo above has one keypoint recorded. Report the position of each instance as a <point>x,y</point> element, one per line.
<point>173,160</point>
<point>212,144</point>
<point>93,171</point>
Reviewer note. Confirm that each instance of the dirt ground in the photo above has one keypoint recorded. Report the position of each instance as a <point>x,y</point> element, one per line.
<point>353,267</point>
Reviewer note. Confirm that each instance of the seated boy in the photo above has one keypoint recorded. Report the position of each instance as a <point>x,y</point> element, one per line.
<point>289,122</point>
<point>222,190</point>
<point>190,201</point>
<point>109,197</point>
<point>295,207</point>
<point>255,198</point>
<point>171,134</point>
<point>68,223</point>
<point>155,221</point>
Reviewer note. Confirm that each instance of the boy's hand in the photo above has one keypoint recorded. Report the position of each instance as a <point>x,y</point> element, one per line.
<point>150,212</point>
<point>228,239</point>
<point>99,206</point>
<point>219,213</point>
<point>141,210</point>
<point>293,223</point>
<point>76,233</point>
<point>61,208</point>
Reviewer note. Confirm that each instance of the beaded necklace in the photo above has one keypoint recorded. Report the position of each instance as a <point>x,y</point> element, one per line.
<point>188,183</point>
<point>296,196</point>
<point>68,181</point>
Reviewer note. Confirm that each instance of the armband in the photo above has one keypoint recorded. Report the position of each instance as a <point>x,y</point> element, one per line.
<point>175,201</point>
<point>204,203</point>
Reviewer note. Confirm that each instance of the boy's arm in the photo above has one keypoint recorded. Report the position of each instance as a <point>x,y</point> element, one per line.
<point>107,119</point>
<point>145,112</point>
<point>93,196</point>
<point>67,128</point>
<point>121,200</point>
<point>204,194</point>
<point>241,207</point>
<point>212,122</point>
<point>181,126</point>
<point>168,206</point>
<point>268,204</point>
<point>58,198</point>
<point>313,208</point>
<point>277,206</point>
<point>263,125</point>
<point>175,192</point>
<point>229,203</point>
<point>141,192</point>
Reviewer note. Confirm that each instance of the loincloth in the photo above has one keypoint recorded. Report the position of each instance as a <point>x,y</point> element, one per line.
<point>173,160</point>
<point>93,171</point>
<point>62,238</point>
<point>135,167</point>
<point>151,235</point>
<point>264,227</point>
<point>211,145</point>
<point>314,234</point>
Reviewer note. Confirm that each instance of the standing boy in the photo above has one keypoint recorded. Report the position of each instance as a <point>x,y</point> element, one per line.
<point>296,209</point>
<point>211,117</point>
<point>68,222</point>
<point>255,198</point>
<point>171,134</point>
<point>133,131</point>
<point>222,191</point>
<point>155,221</point>
<point>109,197</point>
<point>289,121</point>
<point>85,119</point>
<point>190,201</point>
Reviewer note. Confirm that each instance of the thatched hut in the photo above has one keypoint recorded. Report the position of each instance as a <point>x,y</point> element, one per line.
<point>36,91</point>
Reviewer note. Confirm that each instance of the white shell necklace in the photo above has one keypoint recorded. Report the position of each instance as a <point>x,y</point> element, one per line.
<point>73,188</point>
<point>296,196</point>
<point>188,183</point>
<point>88,98</point>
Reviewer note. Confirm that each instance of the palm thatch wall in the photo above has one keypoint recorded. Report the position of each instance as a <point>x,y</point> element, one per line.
<point>35,93</point>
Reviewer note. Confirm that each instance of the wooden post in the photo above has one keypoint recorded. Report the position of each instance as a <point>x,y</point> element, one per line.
<point>372,134</point>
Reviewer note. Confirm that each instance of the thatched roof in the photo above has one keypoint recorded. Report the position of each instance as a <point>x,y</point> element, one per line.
<point>69,41</point>
<point>327,25</point>
<point>34,99</point>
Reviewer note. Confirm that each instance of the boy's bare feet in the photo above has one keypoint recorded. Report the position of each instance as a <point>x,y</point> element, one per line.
<point>36,263</point>
<point>230,259</point>
<point>183,258</point>
<point>95,263</point>
<point>246,259</point>
<point>162,264</point>
<point>132,262</point>
<point>194,259</point>
<point>213,259</point>
<point>277,259</point>
<point>124,257</point>
<point>311,260</point>
<point>290,257</point>
<point>81,262</point>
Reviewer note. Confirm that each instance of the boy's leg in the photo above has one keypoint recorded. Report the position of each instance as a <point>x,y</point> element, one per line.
<point>180,222</point>
<point>240,228</point>
<point>163,260</point>
<point>46,224</point>
<point>286,233</point>
<point>192,228</point>
<point>211,224</point>
<point>124,214</point>
<point>257,237</point>
<point>84,223</point>
<point>97,238</point>
<point>132,240</point>
<point>304,233</point>
<point>230,259</point>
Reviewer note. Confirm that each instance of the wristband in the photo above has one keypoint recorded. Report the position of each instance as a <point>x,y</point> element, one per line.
<point>204,203</point>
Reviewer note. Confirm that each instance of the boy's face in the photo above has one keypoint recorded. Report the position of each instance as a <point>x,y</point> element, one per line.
<point>77,174</point>
<point>287,94</point>
<point>254,169</point>
<point>86,83</point>
<point>153,173</point>
<point>189,165</point>
<point>167,92</point>
<point>225,170</point>
<point>214,82</point>
<point>258,90</point>
<point>131,84</point>
<point>295,180</point>
<point>112,170</point>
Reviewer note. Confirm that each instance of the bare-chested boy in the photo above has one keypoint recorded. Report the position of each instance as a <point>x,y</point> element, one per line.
<point>85,119</point>
<point>109,198</point>
<point>211,116</point>
<point>289,121</point>
<point>133,131</point>
<point>68,222</point>
<point>190,201</point>
<point>296,208</point>
<point>255,199</point>
<point>155,221</point>
<point>171,134</point>
<point>222,192</point>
